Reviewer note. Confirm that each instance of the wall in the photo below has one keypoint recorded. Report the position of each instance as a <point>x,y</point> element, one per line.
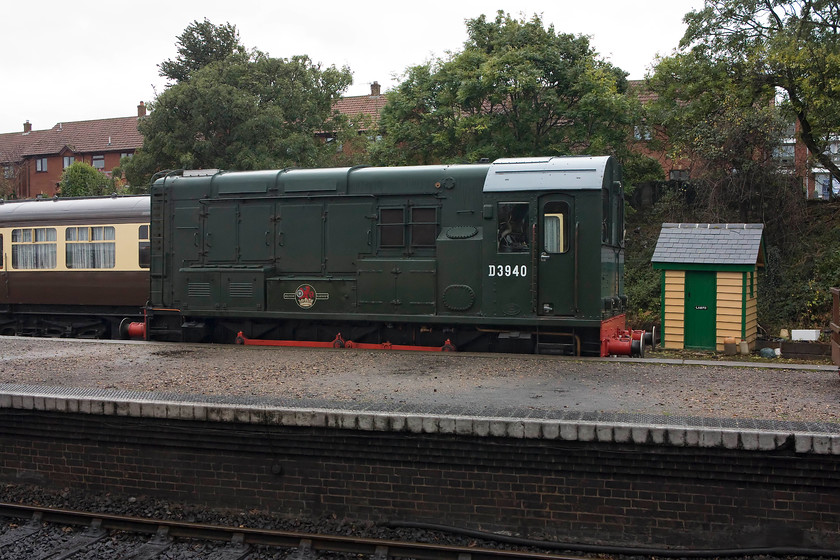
<point>730,308</point>
<point>673,306</point>
<point>589,492</point>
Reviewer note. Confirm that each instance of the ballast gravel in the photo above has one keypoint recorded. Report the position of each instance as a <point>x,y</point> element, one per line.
<point>481,382</point>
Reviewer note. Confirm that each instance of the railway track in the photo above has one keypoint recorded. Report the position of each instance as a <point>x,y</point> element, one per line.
<point>58,534</point>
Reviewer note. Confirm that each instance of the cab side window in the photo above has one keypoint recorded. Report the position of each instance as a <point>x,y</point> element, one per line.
<point>513,227</point>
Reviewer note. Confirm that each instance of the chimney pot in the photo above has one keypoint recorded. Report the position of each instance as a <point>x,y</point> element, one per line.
<point>27,126</point>
<point>375,89</point>
<point>141,110</point>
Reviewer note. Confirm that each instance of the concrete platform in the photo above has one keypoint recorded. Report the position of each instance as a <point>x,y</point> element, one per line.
<point>518,423</point>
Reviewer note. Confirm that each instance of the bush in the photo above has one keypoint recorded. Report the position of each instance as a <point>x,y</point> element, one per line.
<point>82,179</point>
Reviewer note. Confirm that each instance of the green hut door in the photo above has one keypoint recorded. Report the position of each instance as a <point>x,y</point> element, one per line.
<point>700,309</point>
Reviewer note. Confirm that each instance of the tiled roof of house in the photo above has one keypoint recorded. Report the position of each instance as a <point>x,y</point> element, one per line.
<point>15,145</point>
<point>121,134</point>
<point>102,135</point>
<point>722,244</point>
<point>361,105</point>
<point>640,89</point>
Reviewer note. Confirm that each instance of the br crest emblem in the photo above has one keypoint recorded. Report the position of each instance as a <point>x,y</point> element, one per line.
<point>306,296</point>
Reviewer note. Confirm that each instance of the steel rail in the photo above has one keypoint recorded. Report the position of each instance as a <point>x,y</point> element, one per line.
<point>377,548</point>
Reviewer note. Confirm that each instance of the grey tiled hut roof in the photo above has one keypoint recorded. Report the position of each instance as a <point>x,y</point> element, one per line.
<point>719,244</point>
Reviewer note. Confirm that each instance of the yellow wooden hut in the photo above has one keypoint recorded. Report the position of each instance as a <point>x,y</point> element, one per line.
<point>709,283</point>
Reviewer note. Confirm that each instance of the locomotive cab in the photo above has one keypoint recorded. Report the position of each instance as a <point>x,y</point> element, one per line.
<point>566,268</point>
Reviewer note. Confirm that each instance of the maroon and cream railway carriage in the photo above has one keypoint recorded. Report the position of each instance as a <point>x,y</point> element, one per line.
<point>73,267</point>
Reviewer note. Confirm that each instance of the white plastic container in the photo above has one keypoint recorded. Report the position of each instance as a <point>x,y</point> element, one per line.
<point>805,334</point>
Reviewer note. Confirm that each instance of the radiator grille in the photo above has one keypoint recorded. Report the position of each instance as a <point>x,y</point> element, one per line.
<point>198,289</point>
<point>241,290</point>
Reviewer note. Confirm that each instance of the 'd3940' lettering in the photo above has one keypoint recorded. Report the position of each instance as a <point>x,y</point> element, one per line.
<point>508,270</point>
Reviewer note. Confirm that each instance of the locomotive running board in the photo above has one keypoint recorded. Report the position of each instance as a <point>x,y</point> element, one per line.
<point>339,342</point>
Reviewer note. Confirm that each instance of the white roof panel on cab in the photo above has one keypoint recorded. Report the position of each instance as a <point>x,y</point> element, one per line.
<point>546,173</point>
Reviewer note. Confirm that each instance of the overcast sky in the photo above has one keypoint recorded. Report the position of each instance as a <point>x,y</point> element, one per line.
<point>89,59</point>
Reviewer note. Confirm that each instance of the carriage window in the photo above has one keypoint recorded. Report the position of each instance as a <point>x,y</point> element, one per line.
<point>513,227</point>
<point>145,255</point>
<point>423,227</point>
<point>392,227</point>
<point>556,227</point>
<point>33,248</point>
<point>90,247</point>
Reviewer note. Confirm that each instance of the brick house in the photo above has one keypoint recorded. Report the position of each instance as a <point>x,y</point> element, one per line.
<point>817,182</point>
<point>33,160</point>
<point>792,155</point>
<point>364,105</point>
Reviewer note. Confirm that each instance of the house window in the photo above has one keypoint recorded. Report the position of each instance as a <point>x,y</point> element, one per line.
<point>8,172</point>
<point>784,154</point>
<point>41,165</point>
<point>90,247</point>
<point>642,133</point>
<point>98,162</point>
<point>678,175</point>
<point>825,184</point>
<point>126,155</point>
<point>33,248</point>
<point>68,161</point>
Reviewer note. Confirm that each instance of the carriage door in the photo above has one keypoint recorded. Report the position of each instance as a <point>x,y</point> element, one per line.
<point>556,257</point>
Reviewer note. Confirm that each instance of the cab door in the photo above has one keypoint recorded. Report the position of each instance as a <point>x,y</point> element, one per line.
<point>556,257</point>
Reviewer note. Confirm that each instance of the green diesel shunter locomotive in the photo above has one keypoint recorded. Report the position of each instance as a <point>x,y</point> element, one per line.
<point>521,254</point>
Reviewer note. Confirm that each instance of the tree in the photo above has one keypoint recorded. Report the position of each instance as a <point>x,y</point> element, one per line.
<point>730,129</point>
<point>199,45</point>
<point>793,45</point>
<point>517,88</point>
<point>82,179</point>
<point>244,113</point>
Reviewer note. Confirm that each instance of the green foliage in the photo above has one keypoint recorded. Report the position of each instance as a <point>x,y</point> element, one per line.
<point>199,45</point>
<point>243,113</point>
<point>794,288</point>
<point>82,179</point>
<point>637,169</point>
<point>729,129</point>
<point>792,45</point>
<point>517,88</point>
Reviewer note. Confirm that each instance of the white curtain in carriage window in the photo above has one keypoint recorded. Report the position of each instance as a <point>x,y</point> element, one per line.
<point>33,248</point>
<point>90,247</point>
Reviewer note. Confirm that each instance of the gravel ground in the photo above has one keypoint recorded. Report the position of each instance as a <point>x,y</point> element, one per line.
<point>479,381</point>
